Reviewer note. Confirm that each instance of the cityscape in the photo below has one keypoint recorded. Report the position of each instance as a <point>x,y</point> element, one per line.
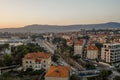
<point>71,47</point>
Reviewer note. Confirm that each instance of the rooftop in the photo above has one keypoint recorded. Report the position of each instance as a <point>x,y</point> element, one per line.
<point>58,71</point>
<point>37,56</point>
<point>78,42</point>
<point>91,47</point>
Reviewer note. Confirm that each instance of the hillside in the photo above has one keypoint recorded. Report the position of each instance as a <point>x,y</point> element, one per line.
<point>57,28</point>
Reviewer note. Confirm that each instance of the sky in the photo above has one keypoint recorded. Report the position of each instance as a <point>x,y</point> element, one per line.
<point>18,13</point>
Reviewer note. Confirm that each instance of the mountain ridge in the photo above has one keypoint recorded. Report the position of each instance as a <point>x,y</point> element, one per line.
<point>38,28</point>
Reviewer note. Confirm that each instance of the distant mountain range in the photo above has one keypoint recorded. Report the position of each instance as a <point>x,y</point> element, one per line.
<point>36,28</point>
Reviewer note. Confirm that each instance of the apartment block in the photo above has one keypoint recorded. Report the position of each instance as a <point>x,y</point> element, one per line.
<point>111,53</point>
<point>78,46</point>
<point>36,61</point>
<point>92,52</point>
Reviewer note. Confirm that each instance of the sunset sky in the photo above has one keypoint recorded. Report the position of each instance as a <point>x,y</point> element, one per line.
<point>18,13</point>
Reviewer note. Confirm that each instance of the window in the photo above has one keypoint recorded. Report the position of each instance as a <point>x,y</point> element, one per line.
<point>30,62</point>
<point>104,46</point>
<point>36,66</point>
<point>112,50</point>
<point>106,49</point>
<point>44,61</point>
<point>26,61</point>
<point>44,65</point>
<point>30,66</point>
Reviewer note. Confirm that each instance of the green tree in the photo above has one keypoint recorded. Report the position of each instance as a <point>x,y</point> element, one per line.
<point>117,78</point>
<point>105,73</point>
<point>74,77</point>
<point>2,63</point>
<point>21,50</point>
<point>89,66</point>
<point>3,47</point>
<point>55,58</point>
<point>118,70</point>
<point>8,59</point>
<point>99,45</point>
<point>59,40</point>
<point>76,57</point>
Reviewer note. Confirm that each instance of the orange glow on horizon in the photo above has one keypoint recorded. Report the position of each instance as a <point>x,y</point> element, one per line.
<point>64,22</point>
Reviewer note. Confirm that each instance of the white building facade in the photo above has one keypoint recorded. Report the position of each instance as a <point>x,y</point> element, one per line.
<point>78,47</point>
<point>36,61</point>
<point>92,52</point>
<point>111,53</point>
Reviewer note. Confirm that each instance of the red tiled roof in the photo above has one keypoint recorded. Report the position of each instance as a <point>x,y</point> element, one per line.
<point>92,48</point>
<point>38,60</point>
<point>37,55</point>
<point>79,42</point>
<point>58,71</point>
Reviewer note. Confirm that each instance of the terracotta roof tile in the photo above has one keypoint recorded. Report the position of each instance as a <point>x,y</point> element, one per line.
<point>79,42</point>
<point>38,60</point>
<point>58,71</point>
<point>92,48</point>
<point>37,55</point>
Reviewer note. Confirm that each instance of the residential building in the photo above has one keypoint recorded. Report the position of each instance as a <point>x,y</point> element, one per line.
<point>69,42</point>
<point>111,53</point>
<point>78,46</point>
<point>58,73</point>
<point>92,52</point>
<point>36,61</point>
<point>66,37</point>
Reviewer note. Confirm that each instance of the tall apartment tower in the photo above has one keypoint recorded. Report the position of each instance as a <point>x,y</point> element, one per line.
<point>111,53</point>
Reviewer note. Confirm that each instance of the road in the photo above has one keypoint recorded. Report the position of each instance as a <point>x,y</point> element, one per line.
<point>46,45</point>
<point>8,68</point>
<point>68,61</point>
<point>89,73</point>
<point>99,65</point>
<point>114,73</point>
<point>105,66</point>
